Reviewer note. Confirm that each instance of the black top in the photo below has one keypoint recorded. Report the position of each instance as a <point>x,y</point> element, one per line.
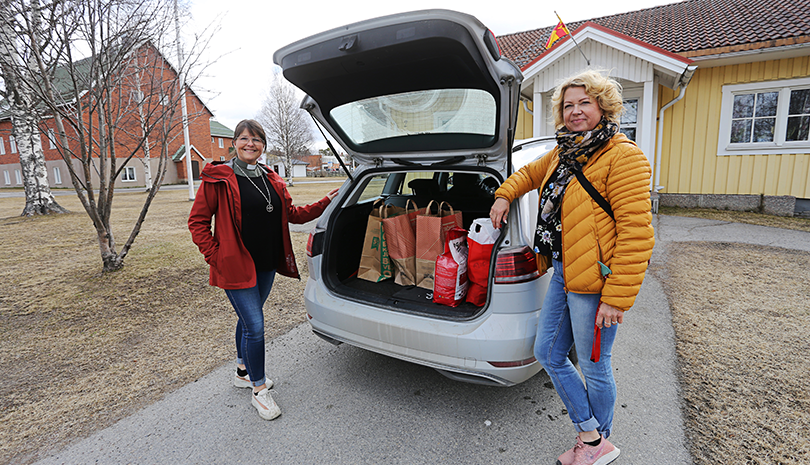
<point>261,230</point>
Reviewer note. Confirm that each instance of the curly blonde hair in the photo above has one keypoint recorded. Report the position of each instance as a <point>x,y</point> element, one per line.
<point>605,90</point>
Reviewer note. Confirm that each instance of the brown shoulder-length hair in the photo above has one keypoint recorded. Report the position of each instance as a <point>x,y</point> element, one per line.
<point>605,90</point>
<point>253,127</point>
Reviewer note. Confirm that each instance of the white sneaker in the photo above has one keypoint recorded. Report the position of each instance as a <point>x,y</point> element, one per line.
<point>265,405</point>
<point>244,381</point>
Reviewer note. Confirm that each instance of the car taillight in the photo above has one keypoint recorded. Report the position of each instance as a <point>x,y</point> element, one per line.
<point>516,265</point>
<point>315,243</point>
<point>517,363</point>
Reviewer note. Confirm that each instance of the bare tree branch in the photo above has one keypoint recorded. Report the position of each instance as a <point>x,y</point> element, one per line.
<point>288,129</point>
<point>117,102</point>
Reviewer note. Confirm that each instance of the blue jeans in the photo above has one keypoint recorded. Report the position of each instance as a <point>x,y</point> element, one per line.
<point>248,304</point>
<point>567,319</point>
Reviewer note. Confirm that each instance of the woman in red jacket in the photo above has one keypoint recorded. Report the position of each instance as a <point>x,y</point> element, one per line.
<point>599,257</point>
<point>250,243</point>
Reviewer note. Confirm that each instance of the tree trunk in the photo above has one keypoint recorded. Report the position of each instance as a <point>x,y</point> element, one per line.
<point>288,169</point>
<point>24,119</point>
<point>111,260</point>
<point>38,197</point>
<point>147,157</point>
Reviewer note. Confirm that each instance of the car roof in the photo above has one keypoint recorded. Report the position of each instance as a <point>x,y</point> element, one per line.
<point>528,150</point>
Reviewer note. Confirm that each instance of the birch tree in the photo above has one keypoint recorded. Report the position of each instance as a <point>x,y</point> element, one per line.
<point>103,77</point>
<point>288,130</point>
<point>24,117</point>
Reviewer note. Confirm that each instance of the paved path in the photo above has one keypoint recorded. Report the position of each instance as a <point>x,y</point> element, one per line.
<point>680,229</point>
<point>345,405</point>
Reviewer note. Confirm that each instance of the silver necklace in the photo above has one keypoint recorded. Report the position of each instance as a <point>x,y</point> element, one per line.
<point>269,207</point>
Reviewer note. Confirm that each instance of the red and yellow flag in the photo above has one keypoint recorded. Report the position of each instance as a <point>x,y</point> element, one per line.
<point>559,32</point>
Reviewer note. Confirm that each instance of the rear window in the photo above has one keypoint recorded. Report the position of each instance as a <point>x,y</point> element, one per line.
<point>459,112</point>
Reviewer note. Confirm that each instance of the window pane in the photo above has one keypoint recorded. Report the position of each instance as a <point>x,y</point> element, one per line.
<point>741,131</point>
<point>373,189</point>
<point>763,129</point>
<point>406,188</point>
<point>743,106</point>
<point>798,128</point>
<point>630,115</point>
<point>766,103</point>
<point>630,133</point>
<point>799,102</point>
<point>442,111</point>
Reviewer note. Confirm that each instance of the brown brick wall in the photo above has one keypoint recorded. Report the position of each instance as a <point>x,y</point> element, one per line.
<point>223,152</point>
<point>199,135</point>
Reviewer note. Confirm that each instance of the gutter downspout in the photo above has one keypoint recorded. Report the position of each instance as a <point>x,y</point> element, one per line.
<point>526,107</point>
<point>683,82</point>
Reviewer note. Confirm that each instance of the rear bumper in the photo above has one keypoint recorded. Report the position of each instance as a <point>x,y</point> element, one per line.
<point>459,349</point>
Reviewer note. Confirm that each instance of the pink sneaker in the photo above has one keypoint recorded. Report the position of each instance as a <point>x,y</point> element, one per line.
<point>583,454</point>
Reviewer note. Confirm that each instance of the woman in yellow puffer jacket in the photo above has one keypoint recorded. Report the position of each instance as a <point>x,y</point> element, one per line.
<point>599,263</point>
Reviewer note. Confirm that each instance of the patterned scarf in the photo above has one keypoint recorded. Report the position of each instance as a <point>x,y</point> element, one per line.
<point>575,149</point>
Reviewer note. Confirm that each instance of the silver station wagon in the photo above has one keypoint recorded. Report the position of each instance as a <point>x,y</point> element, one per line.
<point>426,106</point>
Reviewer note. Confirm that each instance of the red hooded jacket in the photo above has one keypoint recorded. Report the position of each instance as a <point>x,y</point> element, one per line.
<point>231,265</point>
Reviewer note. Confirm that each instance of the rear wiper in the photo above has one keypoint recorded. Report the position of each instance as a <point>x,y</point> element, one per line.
<point>449,161</point>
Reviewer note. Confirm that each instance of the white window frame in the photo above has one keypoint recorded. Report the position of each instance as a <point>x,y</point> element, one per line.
<point>7,177</point>
<point>18,176</point>
<point>636,94</point>
<point>2,147</point>
<point>128,174</point>
<point>779,144</point>
<point>57,175</point>
<point>221,143</point>
<point>51,139</point>
<point>13,143</point>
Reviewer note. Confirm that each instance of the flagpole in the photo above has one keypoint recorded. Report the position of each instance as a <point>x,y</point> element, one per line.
<point>571,34</point>
<point>183,108</point>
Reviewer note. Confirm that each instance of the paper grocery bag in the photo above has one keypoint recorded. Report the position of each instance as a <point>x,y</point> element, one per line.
<point>375,263</point>
<point>400,236</point>
<point>431,230</point>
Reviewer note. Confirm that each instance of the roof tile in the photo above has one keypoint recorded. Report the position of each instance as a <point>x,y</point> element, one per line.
<point>683,27</point>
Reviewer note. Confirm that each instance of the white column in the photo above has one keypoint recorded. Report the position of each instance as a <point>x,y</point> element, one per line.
<point>648,125</point>
<point>538,120</point>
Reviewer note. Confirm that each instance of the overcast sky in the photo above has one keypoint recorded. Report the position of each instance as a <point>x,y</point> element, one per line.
<point>250,31</point>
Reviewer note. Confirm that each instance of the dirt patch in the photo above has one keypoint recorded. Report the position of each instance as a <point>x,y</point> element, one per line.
<point>740,315</point>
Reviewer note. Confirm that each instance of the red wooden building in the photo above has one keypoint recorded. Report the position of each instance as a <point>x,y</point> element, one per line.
<point>209,139</point>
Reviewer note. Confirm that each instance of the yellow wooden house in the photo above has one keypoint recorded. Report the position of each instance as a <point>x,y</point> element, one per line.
<point>717,94</point>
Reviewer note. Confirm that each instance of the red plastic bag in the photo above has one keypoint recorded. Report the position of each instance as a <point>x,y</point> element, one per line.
<point>450,285</point>
<point>480,240</point>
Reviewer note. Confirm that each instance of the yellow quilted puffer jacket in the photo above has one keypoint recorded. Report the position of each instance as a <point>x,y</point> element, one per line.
<point>621,174</point>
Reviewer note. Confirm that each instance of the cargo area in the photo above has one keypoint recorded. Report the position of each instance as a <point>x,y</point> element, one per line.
<point>471,193</point>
